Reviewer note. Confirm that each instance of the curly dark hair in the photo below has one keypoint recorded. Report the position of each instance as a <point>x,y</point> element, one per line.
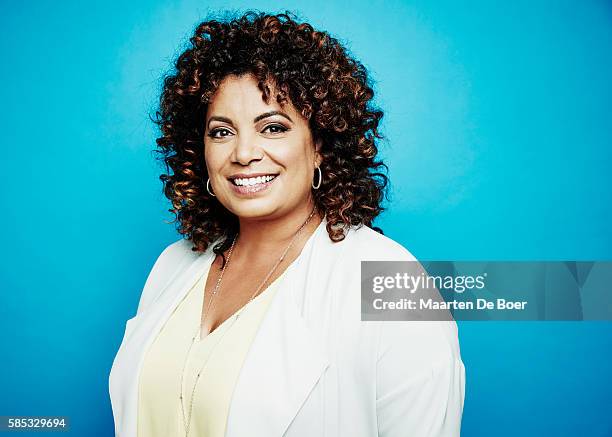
<point>311,70</point>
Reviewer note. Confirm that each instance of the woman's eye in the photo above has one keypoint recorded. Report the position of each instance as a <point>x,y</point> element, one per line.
<point>275,128</point>
<point>219,133</point>
<point>223,132</point>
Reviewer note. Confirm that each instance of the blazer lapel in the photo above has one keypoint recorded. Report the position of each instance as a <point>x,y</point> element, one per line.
<point>281,369</point>
<point>140,333</point>
<point>283,364</point>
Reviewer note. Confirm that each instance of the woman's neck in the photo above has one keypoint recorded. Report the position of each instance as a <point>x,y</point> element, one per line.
<point>262,236</point>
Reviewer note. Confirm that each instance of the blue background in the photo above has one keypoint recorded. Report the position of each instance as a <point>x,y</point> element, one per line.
<point>499,147</point>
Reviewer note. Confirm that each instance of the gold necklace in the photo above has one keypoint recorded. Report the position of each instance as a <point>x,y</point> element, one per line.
<point>187,422</point>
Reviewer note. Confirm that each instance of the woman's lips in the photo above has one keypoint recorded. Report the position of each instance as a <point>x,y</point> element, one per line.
<point>251,189</point>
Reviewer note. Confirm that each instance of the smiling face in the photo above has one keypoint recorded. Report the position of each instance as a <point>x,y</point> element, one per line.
<point>245,136</point>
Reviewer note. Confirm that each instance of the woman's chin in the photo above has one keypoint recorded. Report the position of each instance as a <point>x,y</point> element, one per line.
<point>255,208</point>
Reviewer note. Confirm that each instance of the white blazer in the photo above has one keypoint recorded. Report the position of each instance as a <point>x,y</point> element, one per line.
<point>314,368</point>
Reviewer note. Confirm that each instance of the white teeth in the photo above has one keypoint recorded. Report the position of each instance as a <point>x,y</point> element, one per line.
<point>253,181</point>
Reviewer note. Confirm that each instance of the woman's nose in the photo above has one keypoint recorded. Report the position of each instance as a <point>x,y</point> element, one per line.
<point>246,150</point>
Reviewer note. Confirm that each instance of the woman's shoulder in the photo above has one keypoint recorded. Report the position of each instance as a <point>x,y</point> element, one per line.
<point>171,260</point>
<point>181,251</point>
<point>417,345</point>
<point>171,256</point>
<point>175,254</point>
<point>368,244</point>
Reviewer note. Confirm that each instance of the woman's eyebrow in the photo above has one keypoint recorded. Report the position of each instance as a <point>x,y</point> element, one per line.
<point>219,118</point>
<point>255,120</point>
<point>270,114</point>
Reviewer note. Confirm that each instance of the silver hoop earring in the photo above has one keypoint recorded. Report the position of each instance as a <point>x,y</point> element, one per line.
<point>208,188</point>
<point>320,179</point>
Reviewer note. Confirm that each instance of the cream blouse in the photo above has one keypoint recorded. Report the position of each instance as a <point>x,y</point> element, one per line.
<point>159,405</point>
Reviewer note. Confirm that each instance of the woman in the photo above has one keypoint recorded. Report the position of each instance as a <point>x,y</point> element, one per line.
<point>251,325</point>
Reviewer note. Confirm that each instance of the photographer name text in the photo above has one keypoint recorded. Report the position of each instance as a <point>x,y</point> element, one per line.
<point>431,304</point>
